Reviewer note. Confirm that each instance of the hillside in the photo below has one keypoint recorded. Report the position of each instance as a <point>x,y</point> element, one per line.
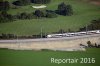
<point>84,12</point>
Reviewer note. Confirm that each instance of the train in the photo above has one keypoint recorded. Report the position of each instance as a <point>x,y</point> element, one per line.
<point>73,34</point>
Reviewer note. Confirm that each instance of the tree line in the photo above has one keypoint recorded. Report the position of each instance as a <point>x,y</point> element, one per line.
<point>64,9</point>
<point>14,36</point>
<point>27,2</point>
<point>5,17</point>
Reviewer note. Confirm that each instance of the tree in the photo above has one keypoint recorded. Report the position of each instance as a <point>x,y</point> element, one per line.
<point>5,17</point>
<point>23,15</point>
<point>64,9</point>
<point>40,13</point>
<point>95,25</point>
<point>7,5</point>
<point>2,19</point>
<point>62,6</point>
<point>69,10</point>
<point>4,5</point>
<point>89,44</point>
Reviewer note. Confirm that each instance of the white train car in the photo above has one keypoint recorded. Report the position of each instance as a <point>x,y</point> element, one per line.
<point>94,32</point>
<point>98,31</point>
<point>80,33</point>
<point>73,34</point>
<point>54,36</point>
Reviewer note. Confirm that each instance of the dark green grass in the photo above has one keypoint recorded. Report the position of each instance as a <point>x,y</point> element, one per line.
<point>83,13</point>
<point>42,58</point>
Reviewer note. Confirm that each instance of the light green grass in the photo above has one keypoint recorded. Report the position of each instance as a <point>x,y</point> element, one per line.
<point>42,58</point>
<point>83,14</point>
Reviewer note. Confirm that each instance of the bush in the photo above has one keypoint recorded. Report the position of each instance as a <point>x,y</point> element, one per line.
<point>40,13</point>
<point>89,44</point>
<point>51,15</point>
<point>24,15</point>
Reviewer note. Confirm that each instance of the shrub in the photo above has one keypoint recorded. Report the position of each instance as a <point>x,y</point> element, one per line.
<point>51,15</point>
<point>40,13</point>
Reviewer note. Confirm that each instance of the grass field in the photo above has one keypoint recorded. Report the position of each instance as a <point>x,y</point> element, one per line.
<point>83,13</point>
<point>42,58</point>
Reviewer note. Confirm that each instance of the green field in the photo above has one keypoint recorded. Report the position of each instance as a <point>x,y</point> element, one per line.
<point>42,58</point>
<point>84,12</point>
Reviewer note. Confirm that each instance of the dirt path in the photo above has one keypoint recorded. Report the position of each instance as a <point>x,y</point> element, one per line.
<point>95,2</point>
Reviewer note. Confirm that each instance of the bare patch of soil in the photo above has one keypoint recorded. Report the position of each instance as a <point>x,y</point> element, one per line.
<point>95,2</point>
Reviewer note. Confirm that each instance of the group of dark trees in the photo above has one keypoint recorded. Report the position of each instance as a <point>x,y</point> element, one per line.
<point>24,15</point>
<point>4,5</point>
<point>5,17</point>
<point>27,2</point>
<point>7,36</point>
<point>45,13</point>
<point>95,25</point>
<point>64,9</point>
<point>40,13</point>
<point>13,36</point>
<point>36,15</point>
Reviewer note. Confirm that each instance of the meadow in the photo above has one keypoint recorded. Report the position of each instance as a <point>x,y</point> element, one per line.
<point>42,58</point>
<point>84,12</point>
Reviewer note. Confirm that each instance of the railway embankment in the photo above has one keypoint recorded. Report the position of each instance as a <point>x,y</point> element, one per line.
<point>62,44</point>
